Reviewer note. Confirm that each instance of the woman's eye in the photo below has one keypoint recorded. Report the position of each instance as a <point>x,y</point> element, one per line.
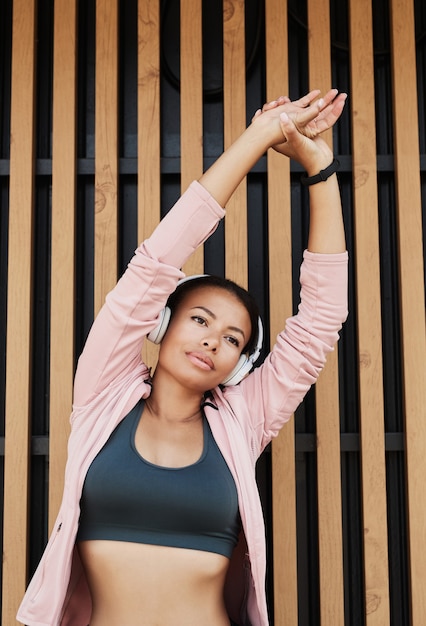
<point>199,320</point>
<point>234,341</point>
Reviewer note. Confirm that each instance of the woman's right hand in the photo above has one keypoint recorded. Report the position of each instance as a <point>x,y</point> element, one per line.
<point>311,116</point>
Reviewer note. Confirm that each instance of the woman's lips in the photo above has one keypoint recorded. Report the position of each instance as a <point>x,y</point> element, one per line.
<point>201,360</point>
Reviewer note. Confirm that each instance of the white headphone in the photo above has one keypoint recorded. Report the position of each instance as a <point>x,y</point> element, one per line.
<point>245,362</point>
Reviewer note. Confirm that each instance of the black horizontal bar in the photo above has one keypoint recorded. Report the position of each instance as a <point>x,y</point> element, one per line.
<point>172,165</point>
<point>305,442</point>
<point>349,442</point>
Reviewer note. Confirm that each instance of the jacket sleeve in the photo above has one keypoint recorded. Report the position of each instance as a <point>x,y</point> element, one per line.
<point>113,346</point>
<point>274,390</point>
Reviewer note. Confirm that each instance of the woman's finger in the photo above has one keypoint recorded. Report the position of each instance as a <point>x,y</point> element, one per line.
<point>331,113</point>
<point>307,100</point>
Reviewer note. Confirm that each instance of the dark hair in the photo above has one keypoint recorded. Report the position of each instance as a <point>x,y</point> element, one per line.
<point>246,299</point>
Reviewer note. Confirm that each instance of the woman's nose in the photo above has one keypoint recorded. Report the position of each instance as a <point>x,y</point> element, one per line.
<point>211,343</point>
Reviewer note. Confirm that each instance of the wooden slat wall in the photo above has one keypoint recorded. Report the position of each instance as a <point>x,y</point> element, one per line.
<point>18,361</point>
<point>365,259</point>
<point>234,105</point>
<point>106,142</point>
<point>280,295</point>
<point>369,316</point>
<point>327,388</point>
<point>148,116</point>
<point>411,284</point>
<point>63,244</point>
<point>191,106</point>
<point>148,127</point>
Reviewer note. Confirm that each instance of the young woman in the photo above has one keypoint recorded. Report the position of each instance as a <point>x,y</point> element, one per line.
<point>161,522</point>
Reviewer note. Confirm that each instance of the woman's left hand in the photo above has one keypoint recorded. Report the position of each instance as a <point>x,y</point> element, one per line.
<point>311,116</point>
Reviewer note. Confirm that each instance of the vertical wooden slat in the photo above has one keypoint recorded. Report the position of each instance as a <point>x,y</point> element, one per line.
<point>18,358</point>
<point>148,128</point>
<point>191,105</point>
<point>327,387</point>
<point>409,219</point>
<point>234,104</point>
<point>148,117</point>
<point>329,494</point>
<point>367,260</point>
<point>62,265</point>
<point>106,146</point>
<point>280,304</point>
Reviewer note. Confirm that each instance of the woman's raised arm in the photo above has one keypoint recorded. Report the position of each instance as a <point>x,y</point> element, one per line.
<point>326,229</point>
<point>311,116</point>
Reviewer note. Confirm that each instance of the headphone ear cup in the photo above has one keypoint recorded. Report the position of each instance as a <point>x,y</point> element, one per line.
<point>156,335</point>
<point>240,371</point>
<point>245,363</point>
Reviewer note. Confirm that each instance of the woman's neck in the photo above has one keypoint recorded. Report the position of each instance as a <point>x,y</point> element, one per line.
<point>166,413</point>
<point>173,403</point>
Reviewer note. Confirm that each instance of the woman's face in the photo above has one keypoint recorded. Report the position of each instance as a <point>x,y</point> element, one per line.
<point>205,338</point>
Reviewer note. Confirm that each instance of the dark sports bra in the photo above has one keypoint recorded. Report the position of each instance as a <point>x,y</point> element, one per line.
<point>126,498</point>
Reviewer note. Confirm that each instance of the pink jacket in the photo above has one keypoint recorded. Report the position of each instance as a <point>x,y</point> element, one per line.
<point>111,378</point>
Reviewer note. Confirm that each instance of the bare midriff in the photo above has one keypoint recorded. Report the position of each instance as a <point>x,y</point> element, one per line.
<point>136,584</point>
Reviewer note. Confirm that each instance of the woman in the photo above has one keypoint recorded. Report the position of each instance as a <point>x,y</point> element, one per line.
<point>161,515</point>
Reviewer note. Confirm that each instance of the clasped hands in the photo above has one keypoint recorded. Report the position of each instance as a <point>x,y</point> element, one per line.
<point>301,122</point>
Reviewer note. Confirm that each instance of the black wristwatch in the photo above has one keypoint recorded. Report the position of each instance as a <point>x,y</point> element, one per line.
<point>322,174</point>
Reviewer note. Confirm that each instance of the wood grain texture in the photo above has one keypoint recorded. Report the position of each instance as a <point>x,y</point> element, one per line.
<point>18,358</point>
<point>411,284</point>
<point>148,117</point>
<point>149,177</point>
<point>371,401</point>
<point>63,245</point>
<point>327,388</point>
<point>106,149</point>
<point>280,294</point>
<point>191,107</point>
<point>234,105</point>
